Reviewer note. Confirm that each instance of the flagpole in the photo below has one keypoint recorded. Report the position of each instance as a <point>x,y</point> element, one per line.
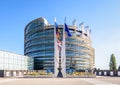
<point>56,52</point>
<point>63,52</point>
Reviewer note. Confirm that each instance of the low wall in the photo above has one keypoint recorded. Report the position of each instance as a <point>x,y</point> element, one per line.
<point>108,73</point>
<point>11,73</point>
<point>16,73</point>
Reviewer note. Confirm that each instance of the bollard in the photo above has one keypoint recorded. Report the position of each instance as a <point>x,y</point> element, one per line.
<point>111,73</point>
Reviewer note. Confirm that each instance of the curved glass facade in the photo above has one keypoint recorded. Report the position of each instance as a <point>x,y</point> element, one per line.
<point>39,44</point>
<point>79,53</point>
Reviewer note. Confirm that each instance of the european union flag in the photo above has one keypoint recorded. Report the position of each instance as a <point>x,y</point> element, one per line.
<point>67,30</point>
<point>56,26</point>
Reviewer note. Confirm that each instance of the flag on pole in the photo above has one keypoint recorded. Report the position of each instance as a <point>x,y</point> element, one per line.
<point>56,50</point>
<point>58,36</point>
<point>67,31</point>
<point>59,44</point>
<point>57,30</point>
<point>81,24</point>
<point>63,51</point>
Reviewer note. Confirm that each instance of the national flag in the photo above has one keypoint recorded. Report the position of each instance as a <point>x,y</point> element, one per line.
<point>86,29</point>
<point>57,31</point>
<point>58,37</point>
<point>90,31</point>
<point>59,43</point>
<point>81,24</point>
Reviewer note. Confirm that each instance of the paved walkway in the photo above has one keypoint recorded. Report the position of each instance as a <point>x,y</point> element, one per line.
<point>61,81</point>
<point>98,82</point>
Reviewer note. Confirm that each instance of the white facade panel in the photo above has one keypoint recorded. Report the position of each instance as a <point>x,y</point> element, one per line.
<point>11,61</point>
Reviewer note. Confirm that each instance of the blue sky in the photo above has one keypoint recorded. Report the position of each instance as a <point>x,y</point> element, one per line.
<point>102,16</point>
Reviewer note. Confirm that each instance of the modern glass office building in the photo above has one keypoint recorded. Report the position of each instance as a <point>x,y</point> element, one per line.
<point>39,44</point>
<point>12,61</point>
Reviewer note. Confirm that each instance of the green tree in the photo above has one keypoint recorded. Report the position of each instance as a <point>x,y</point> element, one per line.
<point>112,63</point>
<point>98,69</point>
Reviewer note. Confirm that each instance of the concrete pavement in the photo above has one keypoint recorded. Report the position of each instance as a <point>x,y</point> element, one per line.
<point>61,81</point>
